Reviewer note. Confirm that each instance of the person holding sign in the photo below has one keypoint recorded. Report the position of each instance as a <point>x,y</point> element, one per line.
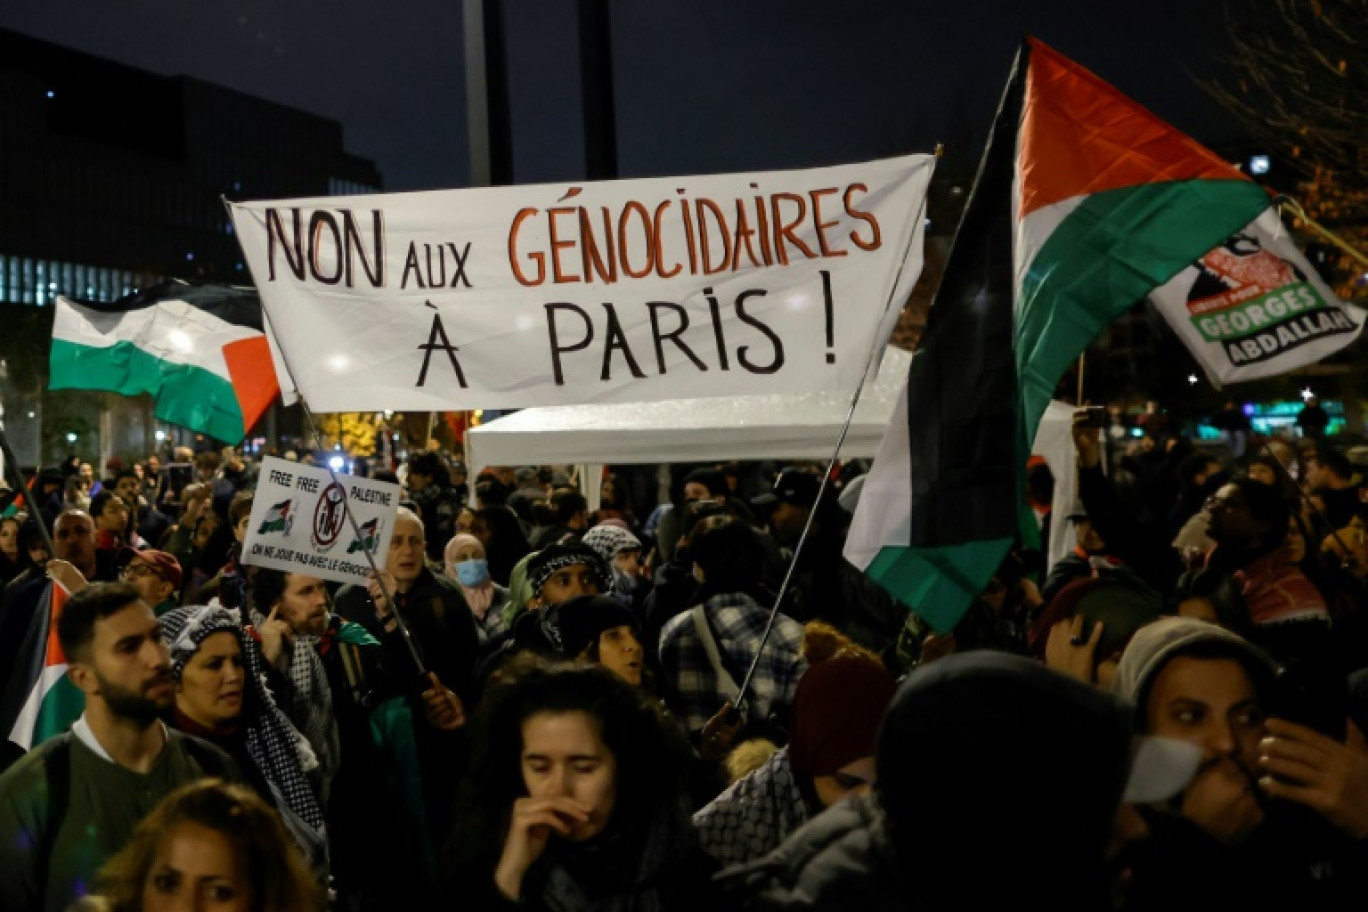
<point>355,701</point>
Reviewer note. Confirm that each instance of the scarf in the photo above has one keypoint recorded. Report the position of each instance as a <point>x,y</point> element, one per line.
<point>622,870</point>
<point>276,748</point>
<point>309,705</point>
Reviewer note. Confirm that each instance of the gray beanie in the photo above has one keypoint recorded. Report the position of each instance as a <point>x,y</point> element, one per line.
<point>1155,644</point>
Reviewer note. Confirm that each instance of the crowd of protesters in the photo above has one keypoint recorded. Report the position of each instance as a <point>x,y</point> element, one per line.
<point>591,709</point>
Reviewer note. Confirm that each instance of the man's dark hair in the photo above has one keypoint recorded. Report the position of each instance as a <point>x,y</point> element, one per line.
<point>241,506</point>
<point>76,626</point>
<point>567,503</point>
<point>1336,463</point>
<point>431,465</point>
<point>126,473</point>
<point>1266,504</point>
<point>100,501</point>
<point>729,553</point>
<point>712,479</point>
<point>267,585</point>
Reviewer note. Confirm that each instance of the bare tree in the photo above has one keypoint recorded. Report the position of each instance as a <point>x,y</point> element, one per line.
<point>1298,78</point>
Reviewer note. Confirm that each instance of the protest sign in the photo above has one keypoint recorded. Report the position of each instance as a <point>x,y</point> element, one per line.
<point>618,291</point>
<point>298,522</point>
<point>1254,307</point>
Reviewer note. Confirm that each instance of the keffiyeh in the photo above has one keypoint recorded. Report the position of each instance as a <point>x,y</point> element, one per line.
<point>277,749</point>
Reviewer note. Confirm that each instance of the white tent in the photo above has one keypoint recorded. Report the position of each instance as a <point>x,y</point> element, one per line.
<point>744,427</point>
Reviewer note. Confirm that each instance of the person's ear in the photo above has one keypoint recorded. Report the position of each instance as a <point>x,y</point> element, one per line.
<point>84,678</point>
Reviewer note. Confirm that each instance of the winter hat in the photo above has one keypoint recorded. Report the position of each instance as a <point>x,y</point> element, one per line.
<point>836,711</point>
<point>543,565</point>
<point>609,540</point>
<point>575,625</point>
<point>1155,644</point>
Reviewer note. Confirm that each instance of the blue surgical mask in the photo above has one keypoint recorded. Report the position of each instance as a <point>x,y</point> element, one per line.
<point>472,572</point>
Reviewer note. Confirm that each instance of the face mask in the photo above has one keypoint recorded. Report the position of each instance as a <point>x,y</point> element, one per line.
<point>472,572</point>
<point>623,586</point>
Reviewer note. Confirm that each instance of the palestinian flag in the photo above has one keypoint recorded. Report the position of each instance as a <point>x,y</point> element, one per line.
<point>370,537</point>
<point>40,701</point>
<point>277,519</point>
<point>198,350</point>
<point>1084,203</point>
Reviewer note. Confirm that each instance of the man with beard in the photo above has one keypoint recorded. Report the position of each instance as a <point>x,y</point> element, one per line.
<point>355,698</point>
<point>72,803</point>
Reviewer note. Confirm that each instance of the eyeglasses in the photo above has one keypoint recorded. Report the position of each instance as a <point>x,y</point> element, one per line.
<point>132,571</point>
<point>1224,503</point>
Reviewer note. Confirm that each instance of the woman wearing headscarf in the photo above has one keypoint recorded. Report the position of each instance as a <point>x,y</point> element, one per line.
<point>221,697</point>
<point>830,755</point>
<point>465,563</point>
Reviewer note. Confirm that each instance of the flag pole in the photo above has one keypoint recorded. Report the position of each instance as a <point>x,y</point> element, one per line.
<point>1334,533</point>
<point>826,478</point>
<point>16,478</point>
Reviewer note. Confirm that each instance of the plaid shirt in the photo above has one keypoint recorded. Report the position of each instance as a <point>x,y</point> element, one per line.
<point>738,622</point>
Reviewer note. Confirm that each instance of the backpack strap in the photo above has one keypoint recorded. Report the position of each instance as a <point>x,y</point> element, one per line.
<point>725,683</point>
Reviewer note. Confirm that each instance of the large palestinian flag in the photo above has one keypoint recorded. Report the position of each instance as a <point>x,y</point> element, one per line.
<point>39,700</point>
<point>1084,203</point>
<point>198,350</point>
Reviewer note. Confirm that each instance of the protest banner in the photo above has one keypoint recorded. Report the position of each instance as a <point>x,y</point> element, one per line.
<point>1254,307</point>
<point>298,523</point>
<point>617,291</point>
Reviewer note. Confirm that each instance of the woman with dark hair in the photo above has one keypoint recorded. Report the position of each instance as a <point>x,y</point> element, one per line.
<point>575,801</point>
<point>221,697</point>
<point>207,845</point>
<point>11,557</point>
<point>505,543</point>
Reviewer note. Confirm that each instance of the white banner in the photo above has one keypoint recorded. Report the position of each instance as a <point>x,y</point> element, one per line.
<point>298,523</point>
<point>1254,307</point>
<point>619,291</point>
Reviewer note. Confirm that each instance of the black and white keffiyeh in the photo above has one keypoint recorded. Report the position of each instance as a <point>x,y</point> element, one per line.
<point>308,702</point>
<point>280,753</point>
<point>754,815</point>
<point>544,564</point>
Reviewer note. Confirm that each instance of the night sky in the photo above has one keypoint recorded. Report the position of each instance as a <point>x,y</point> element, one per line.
<point>702,85</point>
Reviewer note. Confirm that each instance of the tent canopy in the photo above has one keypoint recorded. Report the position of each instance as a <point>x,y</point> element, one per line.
<point>742,428</point>
<point>694,430</point>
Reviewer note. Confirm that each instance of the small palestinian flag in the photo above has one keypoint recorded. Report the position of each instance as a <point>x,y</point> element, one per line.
<point>277,519</point>
<point>370,537</point>
<point>198,350</point>
<point>1084,204</point>
<point>40,701</point>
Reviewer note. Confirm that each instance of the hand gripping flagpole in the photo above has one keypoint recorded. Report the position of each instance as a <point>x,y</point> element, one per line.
<point>351,520</point>
<point>16,478</point>
<point>878,345</point>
